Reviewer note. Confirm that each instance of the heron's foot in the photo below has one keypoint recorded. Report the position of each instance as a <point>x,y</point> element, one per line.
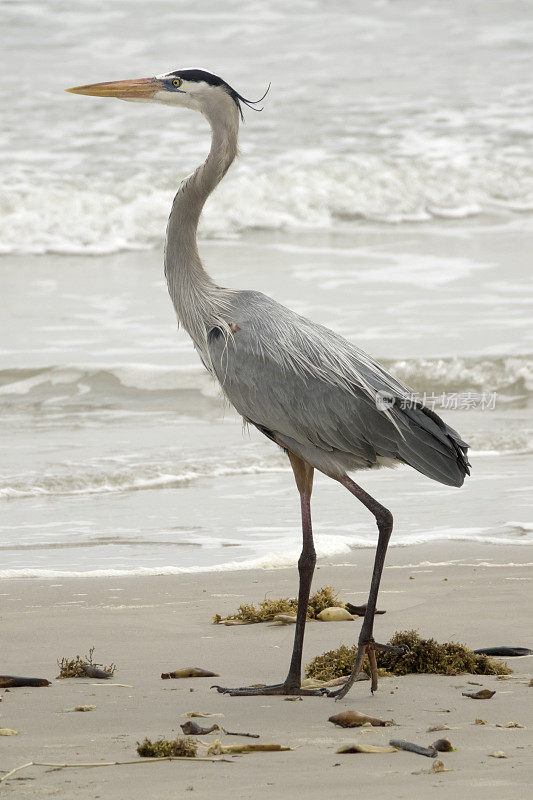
<point>278,688</point>
<point>367,649</point>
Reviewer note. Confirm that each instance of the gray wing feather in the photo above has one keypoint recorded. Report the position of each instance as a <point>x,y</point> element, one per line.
<point>316,393</point>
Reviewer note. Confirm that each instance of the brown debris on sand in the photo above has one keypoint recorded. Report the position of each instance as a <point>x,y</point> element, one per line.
<point>359,611</point>
<point>365,748</point>
<point>216,748</point>
<point>419,656</point>
<point>355,719</point>
<point>324,597</point>
<point>483,694</point>
<point>191,728</point>
<point>190,672</point>
<point>84,668</point>
<point>167,747</point>
<point>443,746</point>
<point>10,681</point>
<point>411,747</point>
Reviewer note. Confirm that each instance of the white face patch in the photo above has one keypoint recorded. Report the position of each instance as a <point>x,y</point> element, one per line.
<point>190,94</point>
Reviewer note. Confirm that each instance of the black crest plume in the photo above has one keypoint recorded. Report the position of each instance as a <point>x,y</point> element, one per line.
<point>214,80</point>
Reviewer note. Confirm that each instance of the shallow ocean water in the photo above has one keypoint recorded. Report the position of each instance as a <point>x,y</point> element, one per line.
<point>386,191</point>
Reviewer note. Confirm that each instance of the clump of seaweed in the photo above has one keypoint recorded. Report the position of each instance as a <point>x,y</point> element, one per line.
<point>325,597</point>
<point>423,656</point>
<point>75,667</point>
<point>163,748</point>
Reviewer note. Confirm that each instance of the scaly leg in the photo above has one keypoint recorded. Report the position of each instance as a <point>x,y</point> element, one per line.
<point>303,473</point>
<point>366,644</point>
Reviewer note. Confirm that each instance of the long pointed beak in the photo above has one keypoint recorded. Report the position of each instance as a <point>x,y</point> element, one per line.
<point>137,89</point>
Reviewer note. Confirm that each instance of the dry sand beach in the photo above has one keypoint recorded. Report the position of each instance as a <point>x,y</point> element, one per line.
<point>154,624</point>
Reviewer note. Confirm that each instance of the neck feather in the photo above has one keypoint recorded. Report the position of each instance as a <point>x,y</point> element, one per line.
<point>199,302</point>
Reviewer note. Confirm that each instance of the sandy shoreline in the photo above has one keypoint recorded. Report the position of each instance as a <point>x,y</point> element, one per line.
<point>155,624</point>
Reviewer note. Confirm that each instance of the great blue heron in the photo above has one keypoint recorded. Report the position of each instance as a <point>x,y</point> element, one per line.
<point>327,403</point>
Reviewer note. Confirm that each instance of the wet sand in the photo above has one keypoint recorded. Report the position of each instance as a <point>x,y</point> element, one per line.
<point>154,624</point>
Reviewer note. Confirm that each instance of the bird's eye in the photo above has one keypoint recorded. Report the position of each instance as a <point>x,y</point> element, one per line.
<point>177,82</point>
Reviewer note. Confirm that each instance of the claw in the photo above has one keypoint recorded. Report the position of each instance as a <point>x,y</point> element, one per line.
<point>280,689</point>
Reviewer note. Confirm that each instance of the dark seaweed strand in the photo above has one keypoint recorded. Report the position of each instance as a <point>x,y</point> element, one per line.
<point>214,80</point>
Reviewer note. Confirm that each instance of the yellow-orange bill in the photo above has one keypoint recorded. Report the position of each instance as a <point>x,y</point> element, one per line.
<point>139,88</point>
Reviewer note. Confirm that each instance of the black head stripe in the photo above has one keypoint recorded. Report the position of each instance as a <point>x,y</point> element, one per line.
<point>199,75</point>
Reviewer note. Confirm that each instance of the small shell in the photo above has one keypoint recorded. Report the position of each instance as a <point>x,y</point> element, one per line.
<point>499,754</point>
<point>510,725</point>
<point>288,619</point>
<point>480,721</point>
<point>438,728</point>
<point>438,766</point>
<point>335,614</point>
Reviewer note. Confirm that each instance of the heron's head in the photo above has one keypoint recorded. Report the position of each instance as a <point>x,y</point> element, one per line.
<point>190,88</point>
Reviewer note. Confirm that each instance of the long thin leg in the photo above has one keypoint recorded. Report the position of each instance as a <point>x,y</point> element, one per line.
<point>303,474</point>
<point>366,644</point>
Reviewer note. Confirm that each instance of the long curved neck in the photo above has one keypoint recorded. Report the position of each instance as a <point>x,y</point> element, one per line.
<point>198,301</point>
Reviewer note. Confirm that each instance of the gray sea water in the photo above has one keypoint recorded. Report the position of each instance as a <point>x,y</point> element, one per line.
<point>386,190</point>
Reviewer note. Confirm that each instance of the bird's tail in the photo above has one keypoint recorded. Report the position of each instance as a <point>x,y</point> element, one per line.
<point>430,446</point>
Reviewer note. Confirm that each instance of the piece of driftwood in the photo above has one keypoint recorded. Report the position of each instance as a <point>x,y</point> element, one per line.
<point>113,763</point>
<point>9,681</point>
<point>509,652</point>
<point>217,748</point>
<point>411,747</point>
<point>201,714</point>
<point>237,733</point>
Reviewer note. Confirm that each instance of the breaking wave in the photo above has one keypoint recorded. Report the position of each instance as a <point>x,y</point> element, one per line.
<point>309,190</point>
<point>278,555</point>
<point>511,376</point>
<point>113,476</point>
